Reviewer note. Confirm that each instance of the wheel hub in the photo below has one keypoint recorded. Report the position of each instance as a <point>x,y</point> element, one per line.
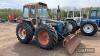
<point>70,27</point>
<point>43,37</point>
<point>22,33</point>
<point>88,28</point>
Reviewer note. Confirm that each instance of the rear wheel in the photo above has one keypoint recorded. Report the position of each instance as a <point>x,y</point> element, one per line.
<point>88,28</point>
<point>24,33</point>
<point>46,39</point>
<point>72,26</point>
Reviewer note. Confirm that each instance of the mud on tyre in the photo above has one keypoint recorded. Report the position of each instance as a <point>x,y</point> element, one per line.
<point>46,38</point>
<point>24,32</point>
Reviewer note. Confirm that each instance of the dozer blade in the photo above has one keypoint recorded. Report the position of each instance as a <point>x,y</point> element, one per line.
<point>71,42</point>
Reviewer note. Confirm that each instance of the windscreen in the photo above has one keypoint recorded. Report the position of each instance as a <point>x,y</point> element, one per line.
<point>43,12</point>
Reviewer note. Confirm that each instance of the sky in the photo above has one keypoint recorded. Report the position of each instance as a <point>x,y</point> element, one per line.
<point>51,3</point>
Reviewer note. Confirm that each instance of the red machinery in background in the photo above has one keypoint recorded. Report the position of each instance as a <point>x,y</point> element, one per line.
<point>11,17</point>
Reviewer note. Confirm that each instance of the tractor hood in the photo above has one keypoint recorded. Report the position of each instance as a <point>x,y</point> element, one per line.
<point>92,20</point>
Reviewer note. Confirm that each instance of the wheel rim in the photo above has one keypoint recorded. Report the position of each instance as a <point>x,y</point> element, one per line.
<point>88,28</point>
<point>70,27</point>
<point>22,33</point>
<point>43,37</point>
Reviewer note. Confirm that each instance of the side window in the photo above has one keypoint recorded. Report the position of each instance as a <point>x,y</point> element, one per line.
<point>26,13</point>
<point>98,13</point>
<point>32,13</point>
<point>93,13</point>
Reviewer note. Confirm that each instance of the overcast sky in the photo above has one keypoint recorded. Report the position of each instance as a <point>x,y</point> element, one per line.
<point>51,3</point>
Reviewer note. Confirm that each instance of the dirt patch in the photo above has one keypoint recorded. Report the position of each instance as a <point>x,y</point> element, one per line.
<point>10,46</point>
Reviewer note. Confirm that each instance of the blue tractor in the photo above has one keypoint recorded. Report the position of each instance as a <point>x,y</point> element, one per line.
<point>88,25</point>
<point>47,32</point>
<point>95,15</point>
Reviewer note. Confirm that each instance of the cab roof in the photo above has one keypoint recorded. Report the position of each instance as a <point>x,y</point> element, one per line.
<point>35,4</point>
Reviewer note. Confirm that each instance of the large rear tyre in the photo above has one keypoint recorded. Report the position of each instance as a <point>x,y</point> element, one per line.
<point>24,33</point>
<point>47,39</point>
<point>72,26</point>
<point>88,28</point>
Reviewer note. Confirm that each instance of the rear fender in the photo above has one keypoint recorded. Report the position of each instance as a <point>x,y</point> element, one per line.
<point>93,21</point>
<point>28,22</point>
<point>49,28</point>
<point>77,21</point>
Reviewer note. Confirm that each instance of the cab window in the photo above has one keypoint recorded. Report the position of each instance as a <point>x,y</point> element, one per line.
<point>93,13</point>
<point>32,13</point>
<point>43,12</point>
<point>26,13</point>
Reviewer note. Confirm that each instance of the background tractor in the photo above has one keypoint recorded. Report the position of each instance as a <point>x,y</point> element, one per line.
<point>88,24</point>
<point>47,32</point>
<point>95,16</point>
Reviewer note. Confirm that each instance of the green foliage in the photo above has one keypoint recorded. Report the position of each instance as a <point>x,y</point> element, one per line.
<point>50,14</point>
<point>5,12</point>
<point>64,13</point>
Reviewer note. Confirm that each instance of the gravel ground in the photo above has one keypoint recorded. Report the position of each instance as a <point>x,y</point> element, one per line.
<point>10,46</point>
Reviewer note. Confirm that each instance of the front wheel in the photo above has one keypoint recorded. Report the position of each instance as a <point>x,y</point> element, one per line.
<point>46,38</point>
<point>89,28</point>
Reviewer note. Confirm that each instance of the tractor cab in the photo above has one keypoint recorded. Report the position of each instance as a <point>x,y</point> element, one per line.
<point>34,10</point>
<point>95,14</point>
